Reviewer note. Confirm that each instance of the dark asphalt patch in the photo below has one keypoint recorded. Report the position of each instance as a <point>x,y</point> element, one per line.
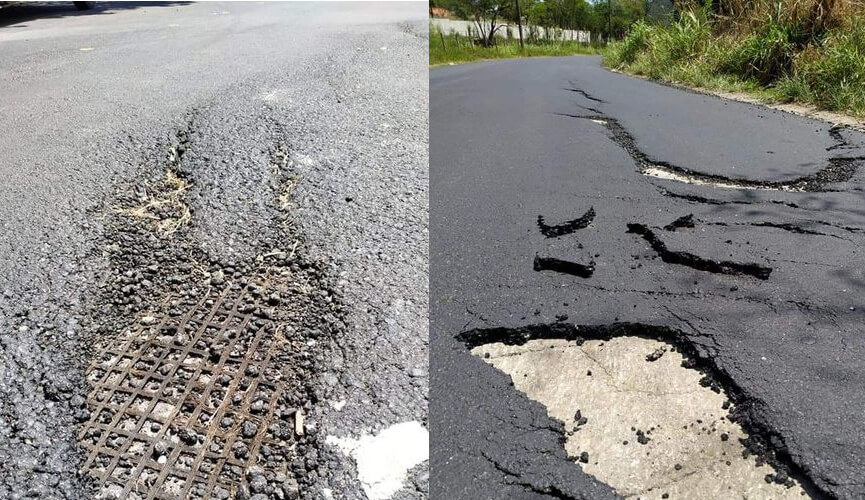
<point>696,262</point>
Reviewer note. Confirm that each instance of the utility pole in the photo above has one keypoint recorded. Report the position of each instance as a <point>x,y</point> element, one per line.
<point>519,23</point>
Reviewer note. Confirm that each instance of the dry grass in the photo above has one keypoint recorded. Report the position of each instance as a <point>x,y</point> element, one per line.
<point>792,51</point>
<point>744,16</point>
<point>280,161</point>
<point>162,206</point>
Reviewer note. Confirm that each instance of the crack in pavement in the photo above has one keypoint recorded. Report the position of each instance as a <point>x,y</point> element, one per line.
<point>585,94</point>
<point>714,201</point>
<point>839,169</point>
<point>786,226</point>
<point>695,261</point>
<point>687,221</point>
<point>841,142</point>
<point>549,489</point>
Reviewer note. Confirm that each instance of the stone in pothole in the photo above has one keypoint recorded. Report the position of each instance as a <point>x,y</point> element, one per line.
<point>646,428</point>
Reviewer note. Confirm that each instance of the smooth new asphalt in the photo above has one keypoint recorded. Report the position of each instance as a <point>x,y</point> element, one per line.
<point>90,101</point>
<point>512,140</point>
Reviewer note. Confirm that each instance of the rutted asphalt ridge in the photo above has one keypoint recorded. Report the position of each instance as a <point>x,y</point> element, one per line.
<point>791,344</point>
<point>371,177</point>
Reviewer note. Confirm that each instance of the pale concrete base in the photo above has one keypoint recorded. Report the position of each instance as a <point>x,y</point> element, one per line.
<point>619,392</point>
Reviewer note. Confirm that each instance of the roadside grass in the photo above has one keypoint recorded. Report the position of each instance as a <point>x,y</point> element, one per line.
<point>456,48</point>
<point>776,55</point>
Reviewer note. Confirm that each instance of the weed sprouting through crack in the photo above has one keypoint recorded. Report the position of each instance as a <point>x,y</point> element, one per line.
<point>160,203</point>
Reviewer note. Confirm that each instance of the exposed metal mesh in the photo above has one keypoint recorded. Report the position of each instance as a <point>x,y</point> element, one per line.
<point>183,402</point>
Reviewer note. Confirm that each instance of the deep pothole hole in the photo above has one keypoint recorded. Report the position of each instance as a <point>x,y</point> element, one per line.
<point>638,420</point>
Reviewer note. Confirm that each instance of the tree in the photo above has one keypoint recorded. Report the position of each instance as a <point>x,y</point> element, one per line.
<point>614,20</point>
<point>484,14</point>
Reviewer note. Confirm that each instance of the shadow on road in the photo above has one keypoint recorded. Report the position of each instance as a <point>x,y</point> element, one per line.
<point>16,15</point>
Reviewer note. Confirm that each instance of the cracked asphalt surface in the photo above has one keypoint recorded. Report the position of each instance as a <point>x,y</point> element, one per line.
<point>512,141</point>
<point>92,104</point>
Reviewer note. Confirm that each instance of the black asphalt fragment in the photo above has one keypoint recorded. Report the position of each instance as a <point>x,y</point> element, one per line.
<point>563,266</point>
<point>568,227</point>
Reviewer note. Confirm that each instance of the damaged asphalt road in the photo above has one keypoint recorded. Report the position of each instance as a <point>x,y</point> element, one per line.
<point>215,250</point>
<point>731,230</point>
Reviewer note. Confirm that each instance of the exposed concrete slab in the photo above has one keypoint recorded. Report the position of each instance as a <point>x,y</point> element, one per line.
<point>650,428</point>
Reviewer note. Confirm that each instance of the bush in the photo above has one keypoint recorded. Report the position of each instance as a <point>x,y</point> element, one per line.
<point>774,51</point>
<point>765,56</point>
<point>684,39</point>
<point>835,75</point>
<point>635,42</point>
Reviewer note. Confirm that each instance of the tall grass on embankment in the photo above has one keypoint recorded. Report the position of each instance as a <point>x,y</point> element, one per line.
<point>456,48</point>
<point>809,52</point>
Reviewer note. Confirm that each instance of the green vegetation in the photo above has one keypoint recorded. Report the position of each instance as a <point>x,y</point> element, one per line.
<point>603,18</point>
<point>809,52</point>
<point>456,48</point>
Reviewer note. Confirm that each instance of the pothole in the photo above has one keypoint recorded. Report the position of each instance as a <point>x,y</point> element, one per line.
<point>638,420</point>
<point>202,383</point>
